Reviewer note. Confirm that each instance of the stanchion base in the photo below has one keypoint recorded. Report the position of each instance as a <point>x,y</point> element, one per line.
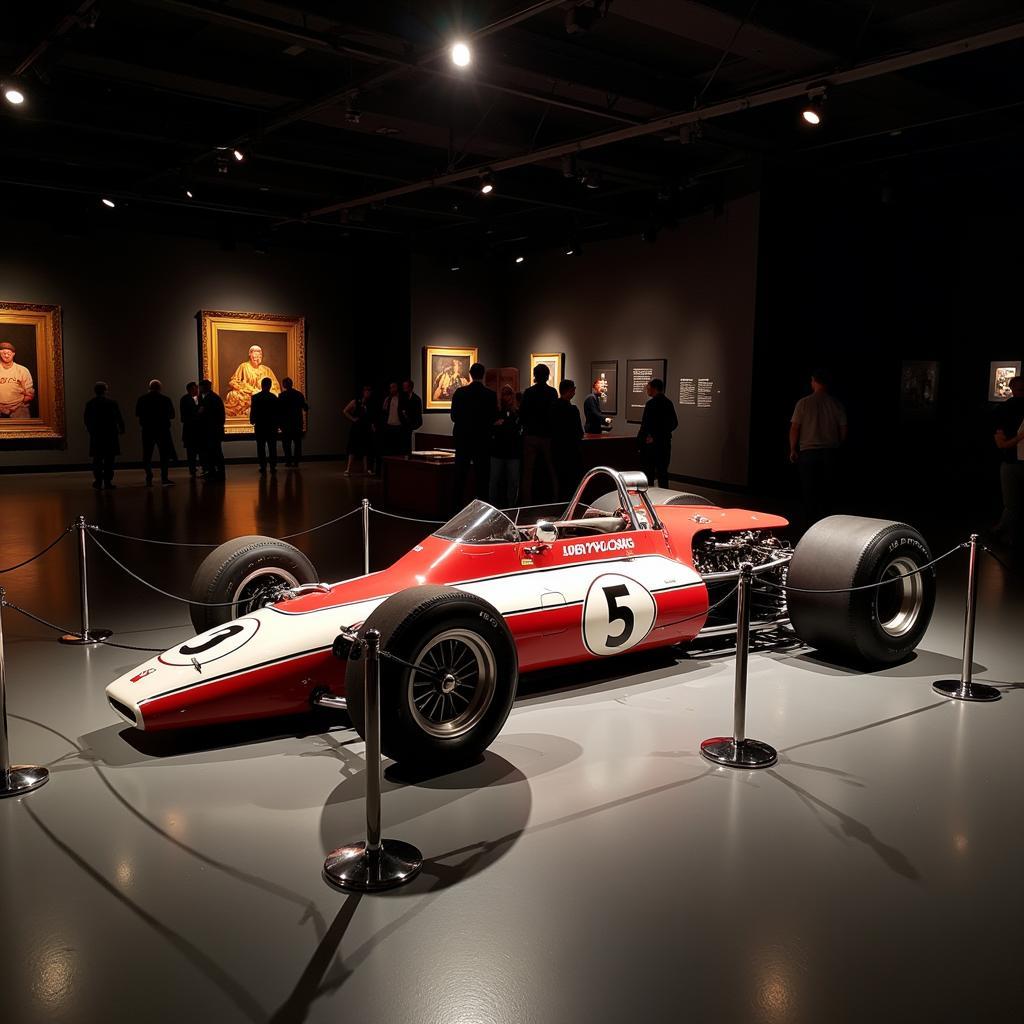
<point>965,691</point>
<point>94,636</point>
<point>726,751</point>
<point>357,869</point>
<point>23,778</point>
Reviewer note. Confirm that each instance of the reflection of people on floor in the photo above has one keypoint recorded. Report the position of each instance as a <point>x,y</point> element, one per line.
<point>245,382</point>
<point>16,387</point>
<point>1009,438</point>
<point>448,381</point>
<point>816,431</point>
<point>105,424</point>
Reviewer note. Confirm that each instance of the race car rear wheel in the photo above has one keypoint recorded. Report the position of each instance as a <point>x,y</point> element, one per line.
<point>242,575</point>
<point>444,712</point>
<point>875,626</point>
<point>609,503</point>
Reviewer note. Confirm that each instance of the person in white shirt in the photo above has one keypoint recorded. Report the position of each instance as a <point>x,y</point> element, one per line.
<point>16,386</point>
<point>816,431</point>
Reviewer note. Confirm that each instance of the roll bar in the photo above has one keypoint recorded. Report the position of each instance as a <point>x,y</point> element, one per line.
<point>624,483</point>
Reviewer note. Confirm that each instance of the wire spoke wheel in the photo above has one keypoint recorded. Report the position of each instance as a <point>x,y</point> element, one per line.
<point>456,685</point>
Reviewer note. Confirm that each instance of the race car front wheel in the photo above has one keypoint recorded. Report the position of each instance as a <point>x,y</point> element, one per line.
<point>872,626</point>
<point>448,673</point>
<point>242,575</point>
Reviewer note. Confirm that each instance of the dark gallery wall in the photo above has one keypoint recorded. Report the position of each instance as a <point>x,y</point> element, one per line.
<point>129,313</point>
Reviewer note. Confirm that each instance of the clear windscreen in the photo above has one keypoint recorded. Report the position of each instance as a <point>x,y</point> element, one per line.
<point>479,523</point>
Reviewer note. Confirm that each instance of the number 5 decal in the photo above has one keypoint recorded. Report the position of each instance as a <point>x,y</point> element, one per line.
<point>617,614</point>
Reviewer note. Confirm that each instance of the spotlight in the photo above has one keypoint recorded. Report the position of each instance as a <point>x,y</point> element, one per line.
<point>519,259</point>
<point>14,94</point>
<point>813,112</point>
<point>238,155</point>
<point>188,193</point>
<point>461,55</point>
<point>486,183</point>
<point>570,251</point>
<point>454,265</point>
<point>108,202</point>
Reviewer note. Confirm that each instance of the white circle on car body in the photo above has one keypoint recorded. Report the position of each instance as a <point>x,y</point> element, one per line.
<point>618,613</point>
<point>212,645</point>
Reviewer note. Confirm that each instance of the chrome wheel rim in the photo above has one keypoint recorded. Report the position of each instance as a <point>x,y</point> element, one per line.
<point>453,684</point>
<point>259,588</point>
<point>898,604</point>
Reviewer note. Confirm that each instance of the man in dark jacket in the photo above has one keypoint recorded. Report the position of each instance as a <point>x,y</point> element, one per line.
<point>105,425</point>
<point>211,431</point>
<point>566,440</point>
<point>655,434</point>
<point>596,421</point>
<point>263,416</point>
<point>411,412</point>
<point>535,415</point>
<point>155,412</point>
<point>188,410</point>
<point>291,404</point>
<point>474,408</point>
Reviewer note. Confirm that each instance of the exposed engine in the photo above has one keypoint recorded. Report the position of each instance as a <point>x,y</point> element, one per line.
<point>715,553</point>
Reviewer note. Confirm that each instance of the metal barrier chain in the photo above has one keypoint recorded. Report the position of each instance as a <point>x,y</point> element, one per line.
<point>867,586</point>
<point>408,519</point>
<point>330,522</point>
<point>60,629</point>
<point>28,561</point>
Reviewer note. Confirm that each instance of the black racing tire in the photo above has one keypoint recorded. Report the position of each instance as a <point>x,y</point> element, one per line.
<point>609,503</point>
<point>244,570</point>
<point>870,628</point>
<point>440,625</point>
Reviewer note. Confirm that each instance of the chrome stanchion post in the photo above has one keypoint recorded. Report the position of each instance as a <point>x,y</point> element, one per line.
<point>88,635</point>
<point>376,863</point>
<point>963,688</point>
<point>737,751</point>
<point>366,536</point>
<point>18,778</point>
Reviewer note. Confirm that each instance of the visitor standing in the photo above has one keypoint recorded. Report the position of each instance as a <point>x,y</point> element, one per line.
<point>473,410</point>
<point>155,411</point>
<point>1009,438</point>
<point>596,421</point>
<point>211,431</point>
<point>291,405</point>
<point>263,416</point>
<point>817,429</point>
<point>566,440</point>
<point>535,414</point>
<point>655,435</point>
<point>105,424</point>
<point>188,411</point>
<point>411,412</point>
<point>391,430</point>
<point>506,452</point>
<point>360,436</point>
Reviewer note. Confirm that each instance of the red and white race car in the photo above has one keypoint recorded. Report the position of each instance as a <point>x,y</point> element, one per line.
<point>486,597</point>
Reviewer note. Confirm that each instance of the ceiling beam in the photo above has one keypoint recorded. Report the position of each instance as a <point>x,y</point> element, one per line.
<point>764,97</point>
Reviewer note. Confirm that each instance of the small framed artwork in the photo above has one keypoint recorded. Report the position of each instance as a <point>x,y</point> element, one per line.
<point>554,361</point>
<point>445,370</point>
<point>640,373</point>
<point>1001,372</point>
<point>607,373</point>
<point>237,350</point>
<point>31,373</point>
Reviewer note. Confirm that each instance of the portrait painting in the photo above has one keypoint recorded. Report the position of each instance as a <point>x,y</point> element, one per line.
<point>1000,373</point>
<point>607,372</point>
<point>239,349</point>
<point>554,361</point>
<point>31,373</point>
<point>445,370</point>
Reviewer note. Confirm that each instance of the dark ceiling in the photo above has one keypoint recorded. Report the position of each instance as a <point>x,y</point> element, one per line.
<point>346,113</point>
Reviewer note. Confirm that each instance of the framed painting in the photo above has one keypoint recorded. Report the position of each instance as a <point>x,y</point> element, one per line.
<point>607,372</point>
<point>237,350</point>
<point>554,361</point>
<point>31,373</point>
<point>1000,373</point>
<point>445,370</point>
<point>919,387</point>
<point>639,373</point>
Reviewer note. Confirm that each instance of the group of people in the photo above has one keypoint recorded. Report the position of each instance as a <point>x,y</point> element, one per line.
<point>527,448</point>
<point>203,415</point>
<point>382,427</point>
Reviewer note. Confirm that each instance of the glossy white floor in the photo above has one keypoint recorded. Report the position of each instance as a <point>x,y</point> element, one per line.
<point>592,868</point>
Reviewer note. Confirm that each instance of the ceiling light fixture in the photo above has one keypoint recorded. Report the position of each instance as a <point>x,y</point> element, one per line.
<point>238,155</point>
<point>519,259</point>
<point>188,193</point>
<point>461,55</point>
<point>486,183</point>
<point>813,112</point>
<point>108,202</point>
<point>14,94</point>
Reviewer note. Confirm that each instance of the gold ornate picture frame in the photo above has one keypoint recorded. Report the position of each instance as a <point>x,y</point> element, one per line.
<point>445,370</point>
<point>227,341</point>
<point>32,377</point>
